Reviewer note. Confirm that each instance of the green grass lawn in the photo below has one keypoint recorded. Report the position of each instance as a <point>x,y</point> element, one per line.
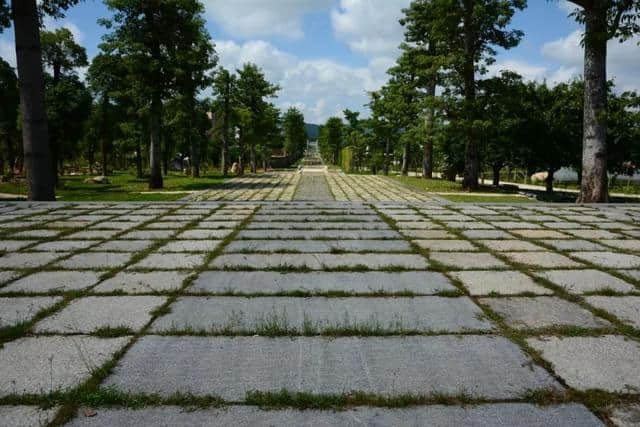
<point>122,187</point>
<point>443,186</point>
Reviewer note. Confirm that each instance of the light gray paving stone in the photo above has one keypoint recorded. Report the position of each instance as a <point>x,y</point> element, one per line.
<point>124,246</point>
<point>446,245</point>
<point>174,225</point>
<point>170,261</point>
<point>428,234</point>
<point>466,260</point>
<point>36,233</point>
<point>516,225</point>
<point>540,234</point>
<point>148,234</point>
<point>499,282</point>
<point>487,234</point>
<point>625,245</point>
<point>510,245</point>
<point>96,260</point>
<point>469,225</point>
<point>58,281</point>
<point>318,225</point>
<point>218,224</point>
<point>6,276</point>
<point>626,415</point>
<point>38,365</point>
<point>63,245</point>
<point>417,225</point>
<point>493,415</point>
<point>583,281</point>
<point>573,245</point>
<point>318,246</point>
<point>595,234</point>
<point>542,312</point>
<point>541,259</point>
<point>86,315</point>
<point>319,234</point>
<point>267,282</point>
<point>93,234</point>
<point>190,246</point>
<point>625,308</point>
<point>318,314</point>
<point>608,363</point>
<point>29,259</point>
<point>140,283</point>
<point>115,225</point>
<point>18,310</point>
<point>608,259</point>
<point>634,274</point>
<point>229,367</point>
<point>26,416</point>
<point>15,245</point>
<point>199,234</point>
<point>320,261</point>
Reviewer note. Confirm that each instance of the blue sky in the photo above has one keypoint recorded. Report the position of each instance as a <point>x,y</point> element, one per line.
<point>326,54</point>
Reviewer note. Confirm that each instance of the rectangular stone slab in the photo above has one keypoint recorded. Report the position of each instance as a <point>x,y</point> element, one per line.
<point>317,314</point>
<point>379,225</point>
<point>18,310</point>
<point>492,415</point>
<point>320,261</point>
<point>487,366</point>
<point>318,234</point>
<point>37,365</point>
<point>608,363</point>
<point>269,282</point>
<point>318,246</point>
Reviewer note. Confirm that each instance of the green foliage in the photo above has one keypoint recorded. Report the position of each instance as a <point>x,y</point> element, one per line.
<point>61,52</point>
<point>330,140</point>
<point>295,133</point>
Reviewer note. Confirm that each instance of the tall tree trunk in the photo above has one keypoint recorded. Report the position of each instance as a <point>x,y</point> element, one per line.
<point>225,131</point>
<point>11,157</point>
<point>35,132</point>
<point>252,156</point>
<point>104,135</point>
<point>496,175</point>
<point>155,155</point>
<point>139,160</point>
<point>387,147</point>
<point>549,181</point>
<point>594,184</point>
<point>427,155</point>
<point>193,145</point>
<point>472,158</point>
<point>241,156</point>
<point>405,159</point>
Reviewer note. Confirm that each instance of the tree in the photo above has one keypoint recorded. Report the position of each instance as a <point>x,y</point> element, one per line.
<point>35,134</point>
<point>465,34</point>
<point>146,35</point>
<point>224,87</point>
<point>63,55</point>
<point>253,89</point>
<point>331,139</point>
<point>603,20</point>
<point>10,95</point>
<point>195,58</point>
<point>295,133</point>
<point>106,77</point>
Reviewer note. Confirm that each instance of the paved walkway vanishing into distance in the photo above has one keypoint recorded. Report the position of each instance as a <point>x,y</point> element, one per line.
<point>382,307</point>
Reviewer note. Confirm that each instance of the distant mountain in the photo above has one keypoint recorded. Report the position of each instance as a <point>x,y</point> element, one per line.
<point>312,131</point>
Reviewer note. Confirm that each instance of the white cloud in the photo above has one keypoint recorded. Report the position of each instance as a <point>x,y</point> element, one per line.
<point>370,27</point>
<point>320,88</point>
<point>567,6</point>
<point>51,24</point>
<point>259,18</point>
<point>623,59</point>
<point>8,52</point>
<point>527,71</point>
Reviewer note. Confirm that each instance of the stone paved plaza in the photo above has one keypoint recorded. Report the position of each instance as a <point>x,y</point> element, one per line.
<point>408,312</point>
